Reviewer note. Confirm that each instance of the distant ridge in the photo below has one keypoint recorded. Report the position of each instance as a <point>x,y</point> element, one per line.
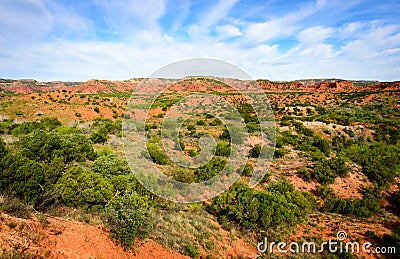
<point>94,86</point>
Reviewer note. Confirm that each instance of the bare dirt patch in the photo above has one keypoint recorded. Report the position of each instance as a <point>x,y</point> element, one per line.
<point>66,238</point>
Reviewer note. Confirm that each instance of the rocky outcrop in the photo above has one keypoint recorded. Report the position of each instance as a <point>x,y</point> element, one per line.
<point>308,85</point>
<point>26,86</point>
<point>194,84</point>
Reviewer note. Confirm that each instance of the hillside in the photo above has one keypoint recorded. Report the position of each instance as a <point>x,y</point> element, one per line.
<point>191,84</point>
<point>63,169</point>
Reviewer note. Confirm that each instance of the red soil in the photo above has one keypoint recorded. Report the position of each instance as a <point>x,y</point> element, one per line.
<point>65,238</point>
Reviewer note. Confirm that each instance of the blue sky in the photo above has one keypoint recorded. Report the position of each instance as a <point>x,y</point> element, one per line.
<point>78,40</point>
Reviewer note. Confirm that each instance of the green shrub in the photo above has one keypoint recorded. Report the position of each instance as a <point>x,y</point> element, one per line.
<point>349,132</point>
<point>215,122</point>
<point>248,170</point>
<point>192,251</point>
<point>47,124</point>
<point>280,152</point>
<point>253,127</point>
<point>308,132</point>
<point>325,171</point>
<point>44,146</point>
<point>223,148</point>
<point>288,138</point>
<point>81,188</point>
<point>158,156</point>
<point>225,135</point>
<point>305,174</point>
<point>380,161</point>
<point>365,207</point>
<point>190,127</point>
<point>99,136</point>
<point>192,152</point>
<point>338,142</point>
<point>324,191</point>
<point>201,123</point>
<point>129,217</point>
<point>3,149</point>
<point>23,177</point>
<point>322,144</point>
<point>15,207</point>
<point>279,205</point>
<point>111,165</point>
<point>300,128</point>
<point>210,169</point>
<point>255,151</point>
<point>338,165</point>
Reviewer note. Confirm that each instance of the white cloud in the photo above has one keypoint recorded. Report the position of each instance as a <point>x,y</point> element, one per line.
<point>26,19</point>
<point>375,39</point>
<point>265,31</point>
<point>200,30</point>
<point>227,31</point>
<point>350,30</point>
<point>26,22</point>
<point>279,27</point>
<point>314,35</point>
<point>354,50</point>
<point>125,17</point>
<point>217,13</point>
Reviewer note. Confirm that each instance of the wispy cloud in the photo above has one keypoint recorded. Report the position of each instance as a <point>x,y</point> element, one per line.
<point>212,16</point>
<point>281,26</point>
<point>120,39</point>
<point>227,31</point>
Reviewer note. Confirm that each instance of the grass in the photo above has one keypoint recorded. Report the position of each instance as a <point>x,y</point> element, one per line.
<point>181,226</point>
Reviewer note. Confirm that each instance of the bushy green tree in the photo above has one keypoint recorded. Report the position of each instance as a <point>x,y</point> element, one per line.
<point>248,170</point>
<point>107,124</point>
<point>365,207</point>
<point>47,124</point>
<point>223,148</point>
<point>380,161</point>
<point>305,174</point>
<point>323,173</point>
<point>44,146</point>
<point>54,169</point>
<point>129,217</point>
<point>99,136</point>
<point>324,191</point>
<point>210,169</point>
<point>111,165</point>
<point>322,144</point>
<point>23,177</point>
<point>255,151</point>
<point>338,166</point>
<point>81,188</point>
<point>158,156</point>
<point>278,205</point>
<point>3,149</point>
<point>326,170</point>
